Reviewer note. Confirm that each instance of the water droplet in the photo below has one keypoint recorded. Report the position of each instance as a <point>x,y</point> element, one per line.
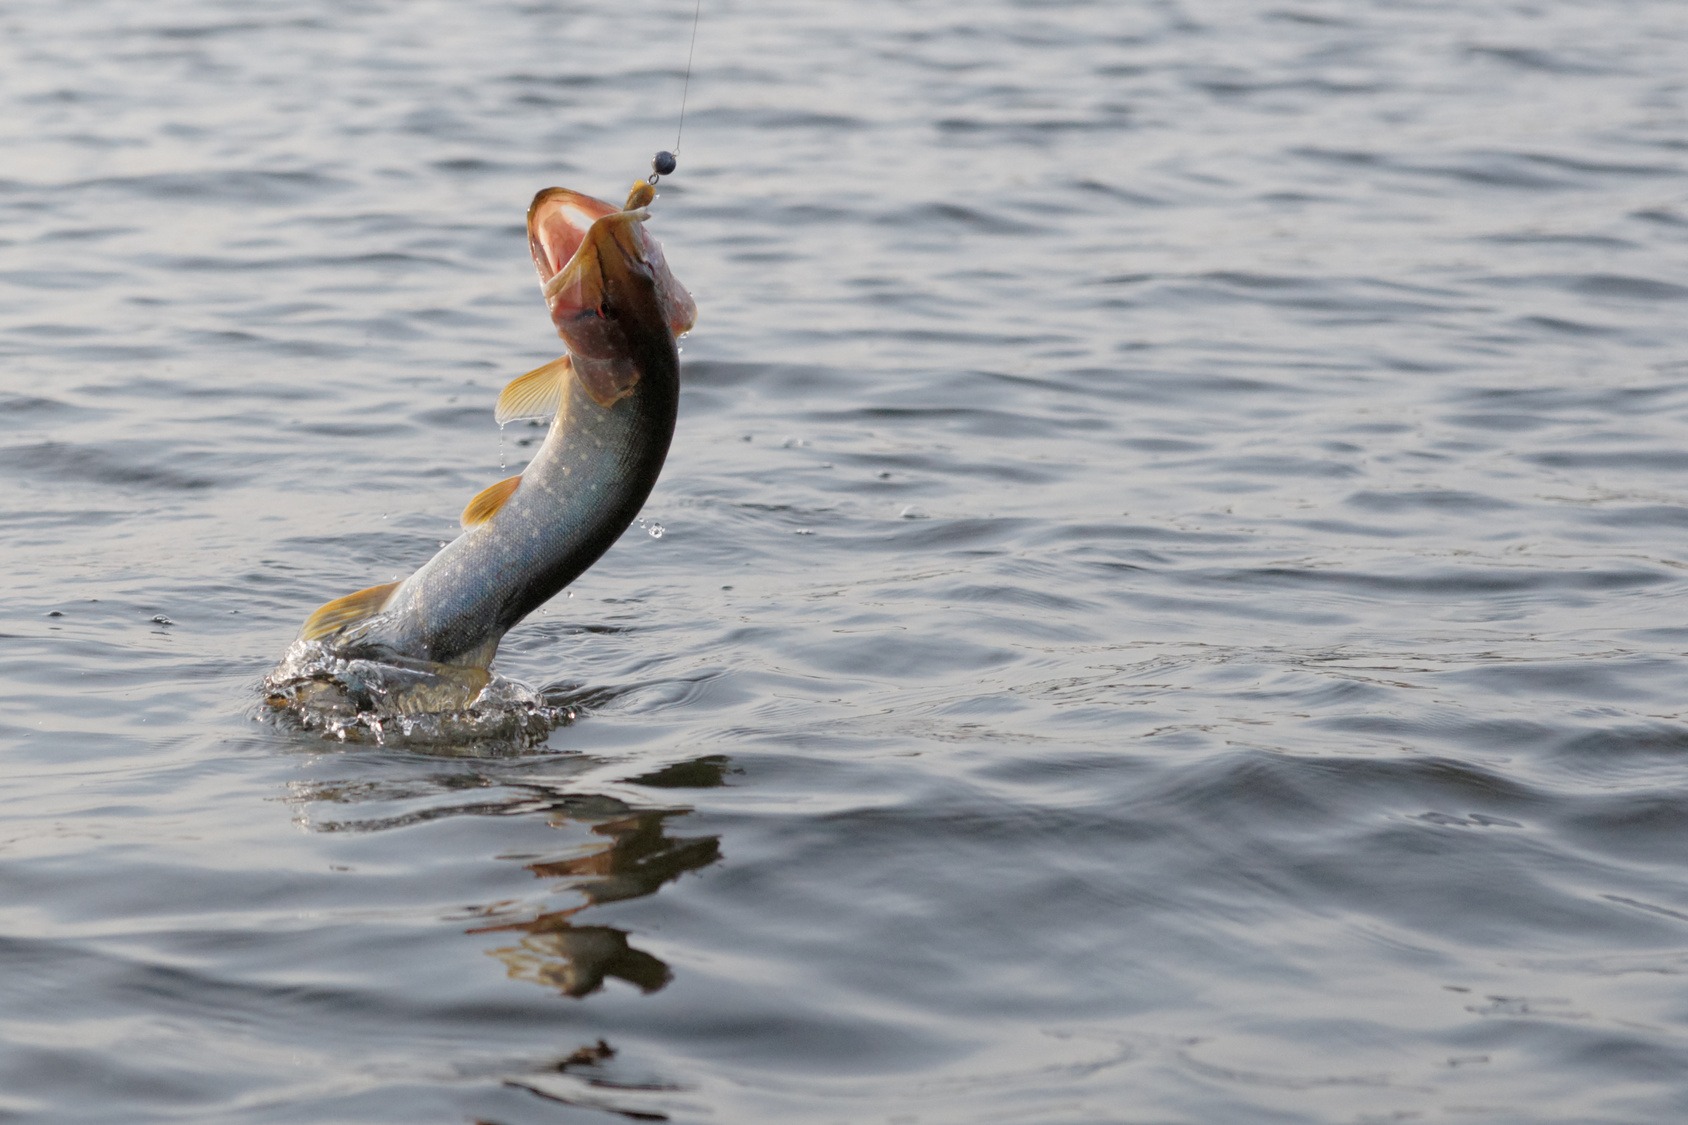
<point>571,593</point>
<point>913,512</point>
<point>656,530</point>
<point>160,619</point>
<point>805,531</point>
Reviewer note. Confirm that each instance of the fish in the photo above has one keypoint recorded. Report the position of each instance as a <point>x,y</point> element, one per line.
<point>613,400</point>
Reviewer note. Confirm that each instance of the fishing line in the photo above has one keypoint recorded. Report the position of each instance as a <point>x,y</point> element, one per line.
<point>665,162</point>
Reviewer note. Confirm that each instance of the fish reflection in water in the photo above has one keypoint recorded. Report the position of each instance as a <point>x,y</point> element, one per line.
<point>638,858</point>
<point>633,854</point>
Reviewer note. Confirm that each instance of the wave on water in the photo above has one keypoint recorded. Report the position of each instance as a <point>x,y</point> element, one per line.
<point>416,704</point>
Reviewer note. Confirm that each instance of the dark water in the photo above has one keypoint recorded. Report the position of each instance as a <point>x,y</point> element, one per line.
<point>1170,606</point>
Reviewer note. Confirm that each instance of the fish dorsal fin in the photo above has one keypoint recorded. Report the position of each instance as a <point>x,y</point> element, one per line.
<point>349,610</point>
<point>488,500</point>
<point>534,395</point>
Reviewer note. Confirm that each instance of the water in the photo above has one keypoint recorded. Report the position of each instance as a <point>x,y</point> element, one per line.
<point>1169,606</point>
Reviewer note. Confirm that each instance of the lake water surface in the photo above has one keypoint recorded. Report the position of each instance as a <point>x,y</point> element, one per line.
<point>1169,604</point>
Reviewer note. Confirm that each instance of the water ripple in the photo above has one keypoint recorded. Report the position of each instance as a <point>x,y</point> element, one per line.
<point>1167,607</point>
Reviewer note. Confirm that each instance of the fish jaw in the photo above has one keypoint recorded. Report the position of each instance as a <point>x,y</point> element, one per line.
<point>610,292</point>
<point>558,220</point>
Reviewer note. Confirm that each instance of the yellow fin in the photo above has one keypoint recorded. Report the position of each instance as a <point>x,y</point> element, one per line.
<point>349,610</point>
<point>534,395</point>
<point>488,500</point>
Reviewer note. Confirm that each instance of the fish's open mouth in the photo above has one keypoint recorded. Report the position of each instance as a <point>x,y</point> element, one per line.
<point>581,244</point>
<point>558,221</point>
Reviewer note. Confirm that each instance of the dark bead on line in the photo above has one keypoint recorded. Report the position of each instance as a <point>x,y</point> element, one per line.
<point>664,163</point>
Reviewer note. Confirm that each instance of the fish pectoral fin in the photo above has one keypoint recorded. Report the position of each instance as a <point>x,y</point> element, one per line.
<point>488,500</point>
<point>534,395</point>
<point>349,610</point>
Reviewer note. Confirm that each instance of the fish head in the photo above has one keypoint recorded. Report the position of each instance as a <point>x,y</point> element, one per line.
<point>610,292</point>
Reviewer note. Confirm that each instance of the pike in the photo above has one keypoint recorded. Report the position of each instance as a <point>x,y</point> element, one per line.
<point>612,401</point>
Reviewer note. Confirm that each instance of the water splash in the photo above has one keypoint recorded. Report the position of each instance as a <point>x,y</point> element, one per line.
<point>415,704</point>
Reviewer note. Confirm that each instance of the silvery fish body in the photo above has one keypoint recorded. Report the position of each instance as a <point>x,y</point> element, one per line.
<point>578,494</point>
<point>613,402</point>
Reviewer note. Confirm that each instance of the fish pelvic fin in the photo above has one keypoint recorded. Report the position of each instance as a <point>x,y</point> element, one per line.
<point>488,500</point>
<point>349,610</point>
<point>534,395</point>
